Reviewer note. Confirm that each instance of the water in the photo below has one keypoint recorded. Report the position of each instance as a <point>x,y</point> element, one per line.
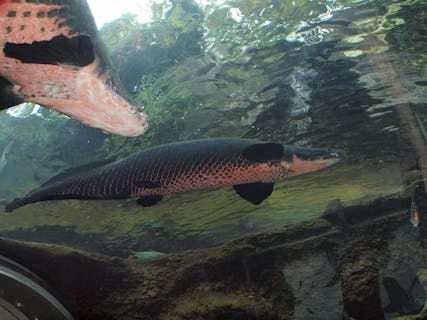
<point>343,74</point>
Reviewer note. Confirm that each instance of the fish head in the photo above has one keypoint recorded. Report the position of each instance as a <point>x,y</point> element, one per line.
<point>300,160</point>
<point>100,101</point>
<point>52,55</point>
<point>89,93</point>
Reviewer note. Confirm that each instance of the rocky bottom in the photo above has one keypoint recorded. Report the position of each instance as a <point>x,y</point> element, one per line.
<point>362,262</point>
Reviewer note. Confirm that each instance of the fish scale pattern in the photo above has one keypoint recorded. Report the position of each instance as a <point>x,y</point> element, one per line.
<point>250,166</point>
<point>166,169</point>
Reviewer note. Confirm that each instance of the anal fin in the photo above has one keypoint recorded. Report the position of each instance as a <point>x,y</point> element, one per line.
<point>148,201</point>
<point>255,192</point>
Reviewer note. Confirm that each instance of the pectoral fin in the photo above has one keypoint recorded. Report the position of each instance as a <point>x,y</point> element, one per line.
<point>254,192</point>
<point>148,201</point>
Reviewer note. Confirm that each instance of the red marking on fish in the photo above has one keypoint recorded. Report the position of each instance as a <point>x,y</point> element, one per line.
<point>249,165</point>
<point>414,214</point>
<point>299,166</point>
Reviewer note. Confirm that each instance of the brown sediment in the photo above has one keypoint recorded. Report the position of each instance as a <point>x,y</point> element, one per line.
<point>311,268</point>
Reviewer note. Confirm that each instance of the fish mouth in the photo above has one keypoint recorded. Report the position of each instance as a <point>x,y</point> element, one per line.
<point>95,103</point>
<point>315,154</point>
<point>105,107</point>
<point>120,119</point>
<point>300,160</point>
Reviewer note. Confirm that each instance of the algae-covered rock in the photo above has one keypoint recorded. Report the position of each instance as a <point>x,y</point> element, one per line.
<point>300,271</point>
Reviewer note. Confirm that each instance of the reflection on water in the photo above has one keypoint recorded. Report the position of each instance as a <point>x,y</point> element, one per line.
<point>3,158</point>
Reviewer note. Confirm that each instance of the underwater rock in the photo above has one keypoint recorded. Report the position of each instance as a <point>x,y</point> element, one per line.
<point>316,289</point>
<point>300,271</point>
<point>359,274</point>
<point>90,273</point>
<point>400,300</point>
<point>402,282</point>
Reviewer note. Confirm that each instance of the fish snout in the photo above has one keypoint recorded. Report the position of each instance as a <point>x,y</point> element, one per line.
<point>335,153</point>
<point>301,160</point>
<point>311,154</point>
<point>106,105</point>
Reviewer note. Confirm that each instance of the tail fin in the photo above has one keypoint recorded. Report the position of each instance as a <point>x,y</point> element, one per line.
<point>16,203</point>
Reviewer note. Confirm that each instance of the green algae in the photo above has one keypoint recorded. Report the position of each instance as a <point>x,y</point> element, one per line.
<point>185,16</point>
<point>274,57</point>
<point>247,278</point>
<point>241,56</point>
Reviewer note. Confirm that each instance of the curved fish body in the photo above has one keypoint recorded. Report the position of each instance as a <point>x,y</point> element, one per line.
<point>51,54</point>
<point>251,166</point>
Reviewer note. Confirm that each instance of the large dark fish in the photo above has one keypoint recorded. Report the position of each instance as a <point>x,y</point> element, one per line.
<point>51,54</point>
<point>251,166</point>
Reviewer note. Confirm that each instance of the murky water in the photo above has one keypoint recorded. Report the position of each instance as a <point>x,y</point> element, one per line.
<point>309,74</point>
<point>345,74</point>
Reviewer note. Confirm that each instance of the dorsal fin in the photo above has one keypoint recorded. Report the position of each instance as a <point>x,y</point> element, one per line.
<point>77,170</point>
<point>263,152</point>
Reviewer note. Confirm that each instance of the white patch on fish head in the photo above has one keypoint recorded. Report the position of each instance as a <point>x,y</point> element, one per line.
<point>83,94</point>
<point>113,112</point>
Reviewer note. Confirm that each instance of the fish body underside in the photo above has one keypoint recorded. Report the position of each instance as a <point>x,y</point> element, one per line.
<point>251,166</point>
